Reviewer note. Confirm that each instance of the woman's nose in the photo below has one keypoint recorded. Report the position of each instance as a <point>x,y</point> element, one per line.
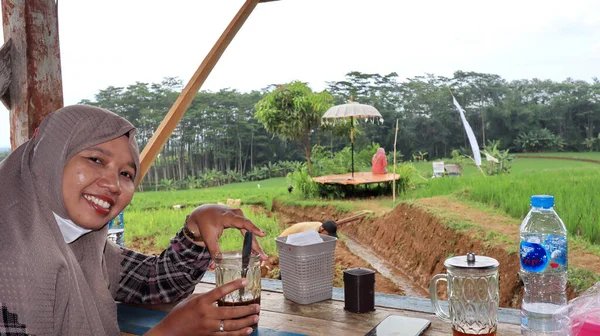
<point>111,182</point>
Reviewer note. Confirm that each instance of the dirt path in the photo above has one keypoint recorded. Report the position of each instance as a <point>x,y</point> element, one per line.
<point>509,227</point>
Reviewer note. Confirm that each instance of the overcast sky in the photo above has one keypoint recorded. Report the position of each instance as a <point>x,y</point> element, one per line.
<point>116,42</point>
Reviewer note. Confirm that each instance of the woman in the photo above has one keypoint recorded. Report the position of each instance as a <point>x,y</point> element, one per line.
<point>60,275</point>
<point>379,162</point>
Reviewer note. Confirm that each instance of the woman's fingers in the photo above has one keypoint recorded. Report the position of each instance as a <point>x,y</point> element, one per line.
<point>245,331</point>
<point>245,322</point>
<point>230,313</point>
<point>243,223</point>
<point>256,248</point>
<point>219,292</point>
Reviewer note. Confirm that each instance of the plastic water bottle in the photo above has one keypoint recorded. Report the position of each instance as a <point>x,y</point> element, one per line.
<point>543,267</point>
<point>116,230</point>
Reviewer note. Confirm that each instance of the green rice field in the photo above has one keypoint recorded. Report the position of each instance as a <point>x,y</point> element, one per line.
<point>572,183</point>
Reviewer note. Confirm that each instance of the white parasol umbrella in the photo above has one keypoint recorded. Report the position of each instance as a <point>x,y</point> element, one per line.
<point>351,110</point>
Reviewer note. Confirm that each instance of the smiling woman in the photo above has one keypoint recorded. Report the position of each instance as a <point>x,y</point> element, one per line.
<point>59,274</point>
<point>98,183</point>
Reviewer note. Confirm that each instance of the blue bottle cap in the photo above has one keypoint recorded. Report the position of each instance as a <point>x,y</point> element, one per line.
<point>542,201</point>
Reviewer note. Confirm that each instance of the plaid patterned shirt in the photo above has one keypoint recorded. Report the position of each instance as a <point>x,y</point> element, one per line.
<point>165,278</point>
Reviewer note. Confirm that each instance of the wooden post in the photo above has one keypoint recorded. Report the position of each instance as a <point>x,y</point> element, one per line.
<point>184,100</point>
<point>394,180</point>
<point>35,88</point>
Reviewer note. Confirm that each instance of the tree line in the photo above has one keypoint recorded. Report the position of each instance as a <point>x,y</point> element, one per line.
<point>220,132</point>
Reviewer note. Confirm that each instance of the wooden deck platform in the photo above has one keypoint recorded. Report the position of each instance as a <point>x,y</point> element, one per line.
<point>280,316</point>
<point>359,178</point>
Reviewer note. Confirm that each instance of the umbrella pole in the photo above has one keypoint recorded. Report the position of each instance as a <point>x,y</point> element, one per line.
<point>352,141</point>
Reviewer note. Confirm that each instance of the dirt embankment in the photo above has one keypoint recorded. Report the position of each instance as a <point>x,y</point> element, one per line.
<point>417,242</point>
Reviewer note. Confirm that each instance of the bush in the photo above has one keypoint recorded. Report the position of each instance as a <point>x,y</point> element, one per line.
<point>539,141</point>
<point>327,163</point>
<point>303,183</point>
<point>504,159</point>
<point>409,175</point>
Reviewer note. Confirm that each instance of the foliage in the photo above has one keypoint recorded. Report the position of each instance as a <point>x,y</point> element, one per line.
<point>167,184</point>
<point>504,158</point>
<point>292,112</point>
<point>4,154</point>
<point>409,176</point>
<point>221,132</point>
<point>539,141</point>
<point>303,183</point>
<point>582,279</point>
<point>420,156</point>
<point>326,163</point>
<point>590,143</point>
<point>458,158</point>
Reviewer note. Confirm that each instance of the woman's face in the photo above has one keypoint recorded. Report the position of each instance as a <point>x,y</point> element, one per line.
<point>98,183</point>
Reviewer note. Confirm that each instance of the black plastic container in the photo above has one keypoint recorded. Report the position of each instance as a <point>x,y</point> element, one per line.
<point>359,290</point>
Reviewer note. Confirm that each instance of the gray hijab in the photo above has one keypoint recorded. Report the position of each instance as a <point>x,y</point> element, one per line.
<point>55,288</point>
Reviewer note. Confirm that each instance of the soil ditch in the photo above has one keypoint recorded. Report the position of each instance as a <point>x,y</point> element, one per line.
<point>416,243</point>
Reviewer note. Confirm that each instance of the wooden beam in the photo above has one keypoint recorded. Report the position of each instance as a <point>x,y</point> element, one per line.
<point>5,72</point>
<point>184,100</point>
<point>35,88</point>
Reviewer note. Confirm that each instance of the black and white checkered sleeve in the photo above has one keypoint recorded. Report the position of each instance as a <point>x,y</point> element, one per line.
<point>9,323</point>
<point>165,278</point>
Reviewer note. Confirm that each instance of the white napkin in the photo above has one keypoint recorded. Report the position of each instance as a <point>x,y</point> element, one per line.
<point>309,237</point>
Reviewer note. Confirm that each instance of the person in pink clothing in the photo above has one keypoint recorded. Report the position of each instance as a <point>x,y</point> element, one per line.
<point>379,162</point>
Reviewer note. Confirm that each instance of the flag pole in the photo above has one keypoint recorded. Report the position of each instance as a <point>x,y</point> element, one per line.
<point>468,130</point>
<point>394,180</point>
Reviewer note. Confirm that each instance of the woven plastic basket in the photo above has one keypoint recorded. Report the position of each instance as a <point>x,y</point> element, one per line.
<point>307,271</point>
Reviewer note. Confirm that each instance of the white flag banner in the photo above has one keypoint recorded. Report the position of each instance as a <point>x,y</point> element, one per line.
<point>470,135</point>
<point>490,158</point>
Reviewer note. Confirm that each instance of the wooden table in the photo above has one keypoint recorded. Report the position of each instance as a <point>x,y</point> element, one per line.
<point>329,317</point>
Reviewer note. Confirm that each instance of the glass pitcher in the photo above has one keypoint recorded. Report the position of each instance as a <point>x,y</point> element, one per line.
<point>472,295</point>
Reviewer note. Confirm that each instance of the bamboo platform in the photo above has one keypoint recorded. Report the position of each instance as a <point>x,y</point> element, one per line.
<point>280,316</point>
<point>358,179</point>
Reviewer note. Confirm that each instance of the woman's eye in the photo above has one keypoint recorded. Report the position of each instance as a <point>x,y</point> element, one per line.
<point>95,159</point>
<point>128,175</point>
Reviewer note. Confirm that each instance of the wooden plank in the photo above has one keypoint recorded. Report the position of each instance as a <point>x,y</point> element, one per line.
<point>184,100</point>
<point>359,178</point>
<point>329,317</point>
<point>35,88</point>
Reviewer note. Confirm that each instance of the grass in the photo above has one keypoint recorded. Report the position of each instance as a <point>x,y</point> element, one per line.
<point>577,155</point>
<point>569,181</point>
<point>156,227</point>
<point>582,279</point>
<point>522,165</point>
<point>249,192</point>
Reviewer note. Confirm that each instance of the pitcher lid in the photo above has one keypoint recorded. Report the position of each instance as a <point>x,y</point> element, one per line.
<point>471,261</point>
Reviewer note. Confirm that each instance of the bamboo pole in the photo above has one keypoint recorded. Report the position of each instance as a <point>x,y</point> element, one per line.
<point>166,127</point>
<point>394,180</point>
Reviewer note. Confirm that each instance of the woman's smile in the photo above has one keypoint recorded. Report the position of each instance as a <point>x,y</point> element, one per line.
<point>100,204</point>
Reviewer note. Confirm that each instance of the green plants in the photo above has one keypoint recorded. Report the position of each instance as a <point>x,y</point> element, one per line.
<point>303,183</point>
<point>499,161</point>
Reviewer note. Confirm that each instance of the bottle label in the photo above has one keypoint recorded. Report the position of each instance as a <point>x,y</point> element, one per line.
<point>533,257</point>
<point>552,253</point>
<point>556,248</point>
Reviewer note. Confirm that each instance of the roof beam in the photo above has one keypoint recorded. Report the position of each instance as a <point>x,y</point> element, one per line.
<point>167,126</point>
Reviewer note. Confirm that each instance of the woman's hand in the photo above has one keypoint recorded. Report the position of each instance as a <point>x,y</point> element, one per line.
<point>211,219</point>
<point>200,316</point>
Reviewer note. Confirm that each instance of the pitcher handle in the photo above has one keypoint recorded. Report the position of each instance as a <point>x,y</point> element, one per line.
<point>434,298</point>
